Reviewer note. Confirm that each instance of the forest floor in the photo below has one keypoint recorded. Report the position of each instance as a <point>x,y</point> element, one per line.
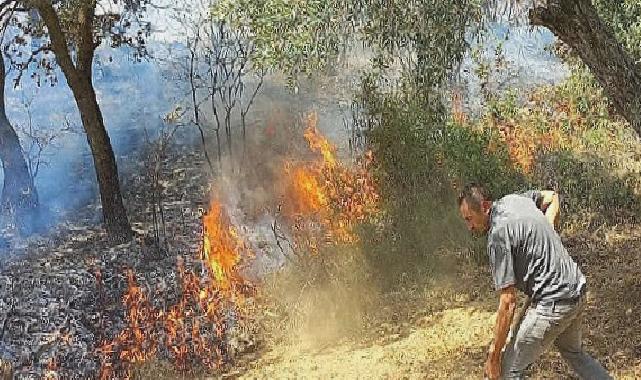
<point>436,326</point>
<point>441,329</point>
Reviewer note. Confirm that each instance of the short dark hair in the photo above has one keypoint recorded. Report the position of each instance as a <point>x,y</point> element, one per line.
<point>474,194</point>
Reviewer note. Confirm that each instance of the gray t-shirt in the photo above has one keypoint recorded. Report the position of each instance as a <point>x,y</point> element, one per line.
<point>525,251</point>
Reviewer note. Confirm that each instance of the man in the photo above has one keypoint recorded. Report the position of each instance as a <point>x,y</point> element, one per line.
<point>527,254</point>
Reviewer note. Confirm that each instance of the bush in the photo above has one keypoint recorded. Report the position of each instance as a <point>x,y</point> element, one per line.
<point>474,155</point>
<point>421,160</point>
<point>564,137</point>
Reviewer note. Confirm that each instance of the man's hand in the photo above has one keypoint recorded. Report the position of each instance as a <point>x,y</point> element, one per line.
<point>551,206</point>
<point>493,367</point>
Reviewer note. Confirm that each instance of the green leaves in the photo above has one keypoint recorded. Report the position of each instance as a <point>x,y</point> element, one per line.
<point>624,16</point>
<point>425,38</point>
<point>293,36</point>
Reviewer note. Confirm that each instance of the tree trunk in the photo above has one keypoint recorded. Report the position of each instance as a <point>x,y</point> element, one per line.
<point>19,197</point>
<point>577,23</point>
<point>79,78</point>
<point>114,212</point>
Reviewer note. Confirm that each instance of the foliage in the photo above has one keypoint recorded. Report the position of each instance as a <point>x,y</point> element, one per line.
<point>401,93</point>
<point>421,157</point>
<point>306,36</point>
<point>421,154</point>
<point>566,137</point>
<point>424,38</point>
<point>117,23</point>
<point>294,36</point>
<point>591,193</point>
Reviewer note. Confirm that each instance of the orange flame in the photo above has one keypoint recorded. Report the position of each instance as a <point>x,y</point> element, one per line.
<point>133,343</point>
<point>336,197</point>
<point>53,364</point>
<point>318,143</point>
<point>325,200</point>
<point>307,195</point>
<point>221,246</point>
<point>192,330</point>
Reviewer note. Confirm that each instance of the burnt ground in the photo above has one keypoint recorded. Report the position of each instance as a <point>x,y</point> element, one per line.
<point>62,293</point>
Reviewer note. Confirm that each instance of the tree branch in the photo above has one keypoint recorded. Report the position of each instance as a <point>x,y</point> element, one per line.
<point>24,66</point>
<point>5,3</point>
<point>540,16</point>
<point>578,24</point>
<point>58,38</point>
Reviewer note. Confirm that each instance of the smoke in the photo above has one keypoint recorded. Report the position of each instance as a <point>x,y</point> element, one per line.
<point>528,57</point>
<point>250,186</point>
<point>133,97</point>
<point>322,296</point>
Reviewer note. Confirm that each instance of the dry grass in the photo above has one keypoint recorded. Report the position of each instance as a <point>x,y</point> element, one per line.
<point>441,328</point>
<point>438,328</point>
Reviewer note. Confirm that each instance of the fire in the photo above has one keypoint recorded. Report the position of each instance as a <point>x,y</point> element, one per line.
<point>52,368</point>
<point>308,194</point>
<point>333,195</point>
<point>319,143</point>
<point>192,331</point>
<point>324,200</point>
<point>135,344</point>
<point>221,246</point>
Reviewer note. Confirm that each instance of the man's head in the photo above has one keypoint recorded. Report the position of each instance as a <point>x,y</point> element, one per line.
<point>475,204</point>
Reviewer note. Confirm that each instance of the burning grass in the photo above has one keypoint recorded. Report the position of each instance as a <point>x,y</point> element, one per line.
<point>322,201</point>
<point>327,194</point>
<point>194,332</point>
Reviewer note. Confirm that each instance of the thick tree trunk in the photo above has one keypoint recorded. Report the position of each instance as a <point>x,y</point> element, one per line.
<point>79,77</point>
<point>577,23</point>
<point>19,197</point>
<point>114,212</point>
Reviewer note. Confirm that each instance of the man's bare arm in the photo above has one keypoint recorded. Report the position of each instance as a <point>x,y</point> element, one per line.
<point>507,305</point>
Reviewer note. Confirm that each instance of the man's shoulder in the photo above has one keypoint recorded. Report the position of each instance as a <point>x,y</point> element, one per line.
<point>498,232</point>
<point>532,195</point>
<point>511,222</point>
<point>518,205</point>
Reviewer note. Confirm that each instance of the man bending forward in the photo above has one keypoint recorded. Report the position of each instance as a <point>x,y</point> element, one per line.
<point>527,254</point>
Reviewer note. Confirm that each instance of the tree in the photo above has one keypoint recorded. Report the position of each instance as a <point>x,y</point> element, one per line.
<point>79,78</point>
<point>19,196</point>
<point>72,30</point>
<point>216,68</point>
<point>579,24</point>
<point>427,37</point>
<point>19,203</point>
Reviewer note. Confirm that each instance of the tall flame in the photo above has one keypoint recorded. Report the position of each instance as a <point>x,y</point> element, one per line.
<point>221,246</point>
<point>318,143</point>
<point>193,329</point>
<point>307,195</point>
<point>324,200</point>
